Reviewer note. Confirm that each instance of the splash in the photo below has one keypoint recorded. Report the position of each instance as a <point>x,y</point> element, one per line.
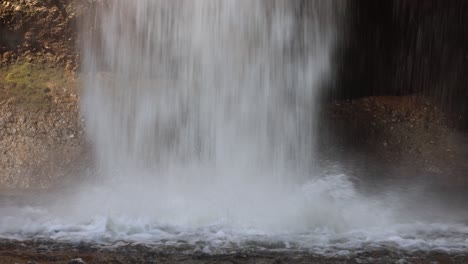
<point>206,109</point>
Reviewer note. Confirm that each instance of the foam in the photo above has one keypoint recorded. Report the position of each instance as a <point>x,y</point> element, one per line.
<point>324,216</point>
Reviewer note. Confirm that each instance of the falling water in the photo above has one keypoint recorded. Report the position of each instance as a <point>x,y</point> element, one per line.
<point>208,104</point>
<point>229,85</point>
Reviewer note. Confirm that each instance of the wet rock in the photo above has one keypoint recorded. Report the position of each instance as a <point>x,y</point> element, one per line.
<point>34,152</point>
<point>402,261</point>
<point>40,27</point>
<point>401,130</point>
<point>76,261</point>
<point>6,56</point>
<point>39,146</point>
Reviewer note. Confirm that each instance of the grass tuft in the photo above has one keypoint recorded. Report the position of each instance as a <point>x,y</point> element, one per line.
<point>30,84</point>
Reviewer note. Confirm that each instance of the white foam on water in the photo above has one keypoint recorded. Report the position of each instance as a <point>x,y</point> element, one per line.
<point>325,216</point>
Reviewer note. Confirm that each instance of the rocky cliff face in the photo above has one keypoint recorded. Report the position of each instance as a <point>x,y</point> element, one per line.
<point>411,132</point>
<point>38,30</point>
<point>401,47</point>
<point>41,134</point>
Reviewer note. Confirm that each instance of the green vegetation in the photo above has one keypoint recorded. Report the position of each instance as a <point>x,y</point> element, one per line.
<point>31,84</point>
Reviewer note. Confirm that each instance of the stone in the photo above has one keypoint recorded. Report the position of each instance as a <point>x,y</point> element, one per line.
<point>76,261</point>
<point>6,56</point>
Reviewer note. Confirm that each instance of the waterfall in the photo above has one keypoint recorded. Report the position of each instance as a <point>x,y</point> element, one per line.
<point>203,119</point>
<point>205,111</point>
<point>226,84</point>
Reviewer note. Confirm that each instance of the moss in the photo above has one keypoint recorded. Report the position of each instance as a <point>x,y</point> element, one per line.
<point>31,84</point>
